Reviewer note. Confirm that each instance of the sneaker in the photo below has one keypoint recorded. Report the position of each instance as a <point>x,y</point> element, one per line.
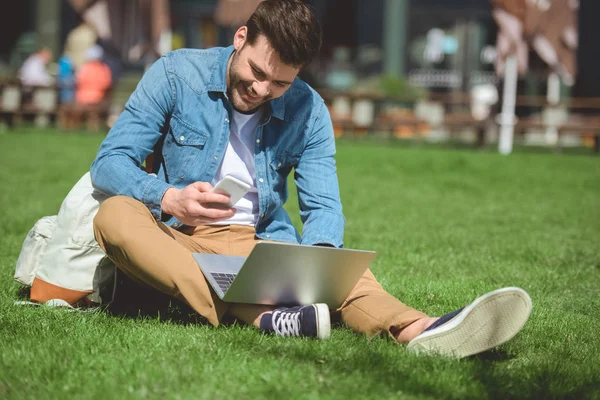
<point>487,322</point>
<point>310,321</point>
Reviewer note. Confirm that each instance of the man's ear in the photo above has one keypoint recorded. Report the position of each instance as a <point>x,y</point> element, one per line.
<point>239,39</point>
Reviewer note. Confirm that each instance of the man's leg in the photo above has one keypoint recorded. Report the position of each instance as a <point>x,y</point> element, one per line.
<point>371,310</point>
<point>160,256</point>
<point>151,252</point>
<point>490,320</point>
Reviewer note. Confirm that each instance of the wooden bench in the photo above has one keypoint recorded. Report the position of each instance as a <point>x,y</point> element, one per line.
<point>582,117</point>
<point>35,103</point>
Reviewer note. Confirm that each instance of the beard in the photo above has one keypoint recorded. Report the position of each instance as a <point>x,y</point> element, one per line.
<point>240,92</point>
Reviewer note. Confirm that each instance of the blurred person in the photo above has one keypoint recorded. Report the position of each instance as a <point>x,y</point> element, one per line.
<point>66,79</point>
<point>34,70</point>
<point>93,81</point>
<point>34,74</point>
<point>241,109</point>
<point>93,78</point>
<point>78,41</point>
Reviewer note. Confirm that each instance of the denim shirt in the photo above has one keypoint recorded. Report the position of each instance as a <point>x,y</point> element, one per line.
<point>180,107</point>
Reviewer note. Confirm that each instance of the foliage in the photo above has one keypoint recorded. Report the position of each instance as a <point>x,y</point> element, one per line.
<point>390,86</point>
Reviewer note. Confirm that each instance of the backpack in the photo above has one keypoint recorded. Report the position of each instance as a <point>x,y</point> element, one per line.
<point>61,249</point>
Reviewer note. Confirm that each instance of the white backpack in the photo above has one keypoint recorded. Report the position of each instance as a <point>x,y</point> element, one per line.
<point>61,249</point>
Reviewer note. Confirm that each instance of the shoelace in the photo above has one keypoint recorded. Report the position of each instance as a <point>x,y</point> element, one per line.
<point>286,323</point>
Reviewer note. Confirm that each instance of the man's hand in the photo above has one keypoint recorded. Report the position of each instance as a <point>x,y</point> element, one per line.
<point>196,205</point>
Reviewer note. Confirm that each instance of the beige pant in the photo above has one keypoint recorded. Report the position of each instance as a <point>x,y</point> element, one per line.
<point>151,252</point>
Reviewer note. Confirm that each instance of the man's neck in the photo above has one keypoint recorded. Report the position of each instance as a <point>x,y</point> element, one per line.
<point>249,112</point>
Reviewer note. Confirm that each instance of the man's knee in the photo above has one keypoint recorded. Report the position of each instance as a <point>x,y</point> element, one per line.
<point>114,217</point>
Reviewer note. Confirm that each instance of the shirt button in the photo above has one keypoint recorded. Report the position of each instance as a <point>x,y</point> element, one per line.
<point>261,180</point>
<point>257,140</point>
<point>215,158</point>
<point>268,236</point>
<point>279,164</point>
<point>262,215</point>
<point>226,120</point>
<point>175,225</point>
<point>182,138</point>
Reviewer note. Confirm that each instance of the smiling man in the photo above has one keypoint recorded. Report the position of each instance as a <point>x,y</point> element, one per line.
<point>242,111</point>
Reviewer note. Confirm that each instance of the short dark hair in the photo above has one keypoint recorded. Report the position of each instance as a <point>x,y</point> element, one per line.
<point>290,27</point>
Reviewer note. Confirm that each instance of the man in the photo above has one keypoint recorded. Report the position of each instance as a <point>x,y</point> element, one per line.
<point>33,71</point>
<point>241,110</point>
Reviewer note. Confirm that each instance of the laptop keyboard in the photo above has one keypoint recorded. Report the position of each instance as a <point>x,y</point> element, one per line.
<point>223,280</point>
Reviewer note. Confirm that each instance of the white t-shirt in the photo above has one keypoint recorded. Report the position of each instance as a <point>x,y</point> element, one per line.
<point>33,72</point>
<point>238,161</point>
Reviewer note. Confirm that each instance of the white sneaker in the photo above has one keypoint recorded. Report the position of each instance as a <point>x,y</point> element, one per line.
<point>487,322</point>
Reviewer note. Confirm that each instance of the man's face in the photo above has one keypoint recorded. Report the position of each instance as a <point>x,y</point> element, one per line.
<point>256,74</point>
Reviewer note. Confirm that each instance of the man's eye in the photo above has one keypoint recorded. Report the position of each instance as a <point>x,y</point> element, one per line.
<point>281,84</point>
<point>256,72</point>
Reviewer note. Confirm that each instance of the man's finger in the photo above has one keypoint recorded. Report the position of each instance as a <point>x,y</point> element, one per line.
<point>202,186</point>
<point>209,197</point>
<point>218,213</point>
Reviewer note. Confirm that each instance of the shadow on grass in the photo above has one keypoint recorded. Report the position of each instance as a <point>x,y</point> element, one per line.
<point>540,382</point>
<point>494,356</point>
<point>136,300</point>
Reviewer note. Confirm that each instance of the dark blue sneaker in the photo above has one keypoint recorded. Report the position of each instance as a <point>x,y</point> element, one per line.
<point>310,321</point>
<point>487,322</point>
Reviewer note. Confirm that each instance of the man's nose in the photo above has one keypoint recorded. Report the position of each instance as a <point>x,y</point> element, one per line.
<point>261,88</point>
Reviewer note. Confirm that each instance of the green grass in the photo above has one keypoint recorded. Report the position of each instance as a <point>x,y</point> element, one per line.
<point>447,224</point>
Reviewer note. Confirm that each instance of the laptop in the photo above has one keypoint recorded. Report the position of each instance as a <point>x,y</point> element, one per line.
<point>283,274</point>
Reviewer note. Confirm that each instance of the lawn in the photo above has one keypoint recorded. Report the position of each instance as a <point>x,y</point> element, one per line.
<point>447,224</point>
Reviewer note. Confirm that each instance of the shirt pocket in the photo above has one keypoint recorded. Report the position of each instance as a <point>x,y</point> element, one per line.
<point>184,150</point>
<point>281,165</point>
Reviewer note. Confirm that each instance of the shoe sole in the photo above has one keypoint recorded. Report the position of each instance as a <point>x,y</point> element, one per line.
<point>487,322</point>
<point>323,321</point>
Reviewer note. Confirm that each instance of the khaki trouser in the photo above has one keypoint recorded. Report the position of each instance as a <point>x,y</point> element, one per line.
<point>151,252</point>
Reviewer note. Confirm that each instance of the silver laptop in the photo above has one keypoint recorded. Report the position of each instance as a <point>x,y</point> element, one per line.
<point>277,273</point>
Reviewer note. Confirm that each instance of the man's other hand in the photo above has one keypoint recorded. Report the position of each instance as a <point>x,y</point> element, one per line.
<point>196,205</point>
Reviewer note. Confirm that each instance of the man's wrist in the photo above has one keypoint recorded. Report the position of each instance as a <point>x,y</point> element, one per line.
<point>165,203</point>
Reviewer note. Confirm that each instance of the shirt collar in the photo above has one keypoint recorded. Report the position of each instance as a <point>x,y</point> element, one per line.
<point>218,83</point>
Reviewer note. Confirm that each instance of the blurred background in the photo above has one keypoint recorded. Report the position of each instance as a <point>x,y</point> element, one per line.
<point>479,72</point>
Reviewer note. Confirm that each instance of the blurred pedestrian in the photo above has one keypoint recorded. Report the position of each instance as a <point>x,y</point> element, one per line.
<point>34,74</point>
<point>78,41</point>
<point>93,78</point>
<point>92,84</point>
<point>34,70</point>
<point>66,79</point>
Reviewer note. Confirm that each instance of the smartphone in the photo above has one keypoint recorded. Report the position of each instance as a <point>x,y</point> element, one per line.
<point>233,187</point>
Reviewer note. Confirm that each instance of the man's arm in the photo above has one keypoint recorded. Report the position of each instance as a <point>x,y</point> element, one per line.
<point>318,189</point>
<point>116,169</point>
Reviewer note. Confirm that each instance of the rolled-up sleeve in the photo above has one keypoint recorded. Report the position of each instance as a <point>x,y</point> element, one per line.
<point>317,184</point>
<point>117,167</point>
